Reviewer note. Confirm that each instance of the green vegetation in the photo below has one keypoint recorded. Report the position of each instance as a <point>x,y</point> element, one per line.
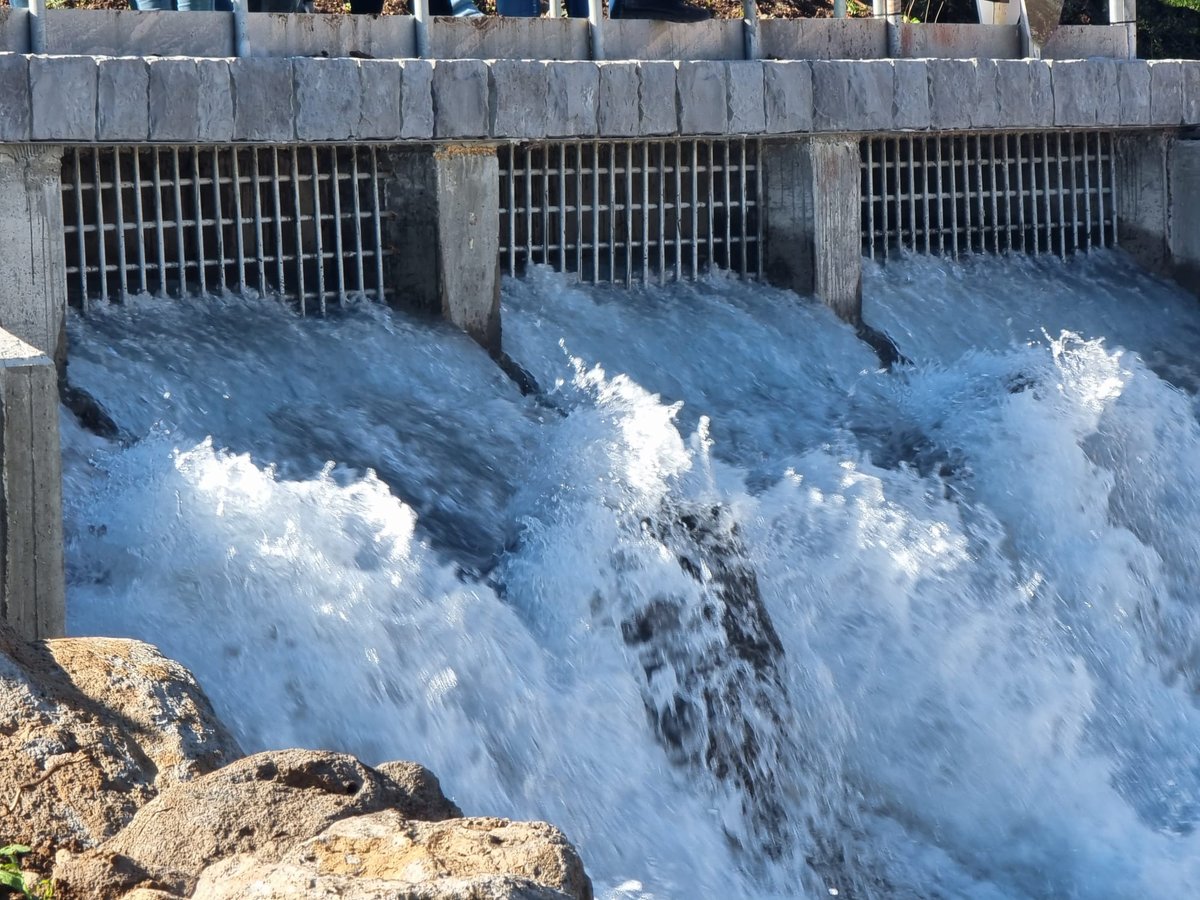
<point>12,879</point>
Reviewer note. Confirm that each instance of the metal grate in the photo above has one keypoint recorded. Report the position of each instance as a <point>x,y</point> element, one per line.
<point>1049,192</point>
<point>300,222</point>
<point>622,211</point>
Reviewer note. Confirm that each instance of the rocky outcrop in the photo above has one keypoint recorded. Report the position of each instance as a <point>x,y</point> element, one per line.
<point>113,764</point>
<point>90,730</point>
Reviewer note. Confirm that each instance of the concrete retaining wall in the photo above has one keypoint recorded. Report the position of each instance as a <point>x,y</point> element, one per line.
<point>133,33</point>
<point>311,100</point>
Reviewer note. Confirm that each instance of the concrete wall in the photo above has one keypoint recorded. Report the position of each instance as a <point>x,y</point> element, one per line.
<point>1184,224</point>
<point>311,99</point>
<point>126,32</point>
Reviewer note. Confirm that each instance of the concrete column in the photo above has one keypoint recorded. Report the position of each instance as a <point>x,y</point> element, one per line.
<point>1142,199</point>
<point>1184,223</point>
<point>446,235</point>
<point>33,268</point>
<point>812,227</point>
<point>32,589</point>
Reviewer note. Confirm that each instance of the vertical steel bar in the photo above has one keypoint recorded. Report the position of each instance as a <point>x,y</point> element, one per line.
<point>260,252</point>
<point>912,192</point>
<point>979,193</point>
<point>528,167</point>
<point>1020,192</point>
<point>712,194</point>
<point>510,152</point>
<point>339,248</point>
<point>612,213</point>
<point>645,211</point>
<point>380,287</point>
<point>728,206</point>
<point>218,216</point>
<point>119,208</point>
<point>238,213</point>
<point>927,224</point>
<point>629,214</point>
<point>1087,194</point>
<point>994,198</point>
<point>661,147</point>
<point>101,228</point>
<point>1047,208</point>
<point>595,212</point>
<point>869,197</point>
<point>1035,226</point>
<point>678,210</point>
<point>1071,160</point>
<point>886,225</point>
<point>318,225</point>
<point>545,170</point>
<point>941,198</point>
<point>159,229</point>
<point>562,207</point>
<point>953,162</point>
<point>1062,212</point>
<point>1006,206</point>
<point>579,206</point>
<point>1112,184</point>
<point>298,223</point>
<point>1100,186</point>
<point>898,194</point>
<point>197,205</point>
<point>695,212</point>
<point>139,214</point>
<point>968,226</point>
<point>744,211</point>
<point>180,267</point>
<point>360,285</point>
<point>758,203</point>
<point>81,238</point>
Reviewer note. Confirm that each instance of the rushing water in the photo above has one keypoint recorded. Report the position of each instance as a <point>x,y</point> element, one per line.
<point>745,615</point>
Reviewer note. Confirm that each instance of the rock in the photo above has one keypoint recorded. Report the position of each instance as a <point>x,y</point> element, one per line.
<point>92,730</point>
<point>262,805</point>
<point>384,855</point>
<point>417,794</point>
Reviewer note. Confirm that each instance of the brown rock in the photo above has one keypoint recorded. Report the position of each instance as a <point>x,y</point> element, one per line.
<point>417,793</point>
<point>262,805</point>
<point>90,730</point>
<point>384,855</point>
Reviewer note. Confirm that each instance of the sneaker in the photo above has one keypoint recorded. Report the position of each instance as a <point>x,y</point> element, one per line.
<point>662,10</point>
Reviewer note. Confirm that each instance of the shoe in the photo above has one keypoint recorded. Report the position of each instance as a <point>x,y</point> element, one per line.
<point>662,10</point>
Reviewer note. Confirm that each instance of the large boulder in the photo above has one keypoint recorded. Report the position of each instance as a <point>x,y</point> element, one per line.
<point>90,730</point>
<point>384,856</point>
<point>262,806</point>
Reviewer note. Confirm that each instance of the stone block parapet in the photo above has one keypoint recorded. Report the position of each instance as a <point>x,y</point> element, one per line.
<point>88,99</point>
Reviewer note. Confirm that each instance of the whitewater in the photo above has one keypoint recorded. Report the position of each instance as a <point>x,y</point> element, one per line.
<point>744,613</point>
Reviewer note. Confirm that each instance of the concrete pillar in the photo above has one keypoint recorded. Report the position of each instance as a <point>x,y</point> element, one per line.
<point>32,589</point>
<point>1142,198</point>
<point>812,226</point>
<point>445,232</point>
<point>33,268</point>
<point>1184,223</point>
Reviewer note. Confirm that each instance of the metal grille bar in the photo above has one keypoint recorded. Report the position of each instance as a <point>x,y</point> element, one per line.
<point>1040,192</point>
<point>625,211</point>
<point>174,221</point>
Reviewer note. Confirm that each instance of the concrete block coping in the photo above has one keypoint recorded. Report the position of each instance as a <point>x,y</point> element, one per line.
<point>85,99</point>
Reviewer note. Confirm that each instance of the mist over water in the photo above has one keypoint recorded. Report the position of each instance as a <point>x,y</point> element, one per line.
<point>744,615</point>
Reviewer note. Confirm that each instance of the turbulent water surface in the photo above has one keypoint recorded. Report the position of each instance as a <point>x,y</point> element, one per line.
<point>742,613</point>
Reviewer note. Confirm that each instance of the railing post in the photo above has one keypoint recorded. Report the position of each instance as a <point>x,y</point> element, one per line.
<point>596,28</point>
<point>1124,12</point>
<point>37,26</point>
<point>241,38</point>
<point>839,9</point>
<point>421,14</point>
<point>750,28</point>
<point>556,9</point>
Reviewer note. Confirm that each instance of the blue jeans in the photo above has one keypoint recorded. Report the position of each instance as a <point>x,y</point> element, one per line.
<point>181,5</point>
<point>577,9</point>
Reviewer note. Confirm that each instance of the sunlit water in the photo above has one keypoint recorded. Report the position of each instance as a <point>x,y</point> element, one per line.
<point>744,615</point>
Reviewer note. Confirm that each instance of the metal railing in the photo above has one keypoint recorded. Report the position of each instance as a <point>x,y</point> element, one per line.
<point>299,222</point>
<point>621,211</point>
<point>1043,192</point>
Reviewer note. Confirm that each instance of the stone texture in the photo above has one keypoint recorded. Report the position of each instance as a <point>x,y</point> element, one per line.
<point>1166,92</point>
<point>384,855</point>
<point>122,100</point>
<point>16,114</point>
<point>416,792</point>
<point>1133,89</point>
<point>379,99</point>
<point>263,101</point>
<point>1025,98</point>
<point>63,91</point>
<point>94,728</point>
<point>747,97</point>
<point>703,97</point>
<point>953,93</point>
<point>618,104</point>
<point>657,113</point>
<point>1075,96</point>
<point>985,112</point>
<point>852,95</point>
<point>416,99</point>
<point>460,98</point>
<point>518,98</point>
<point>214,108</point>
<point>788,97</point>
<point>174,98</point>
<point>910,100</point>
<point>327,92</point>
<point>573,91</point>
<point>1191,92</point>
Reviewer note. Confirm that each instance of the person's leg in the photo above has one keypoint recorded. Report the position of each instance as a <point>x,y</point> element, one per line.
<point>366,7</point>
<point>194,5</point>
<point>661,10</point>
<point>19,4</point>
<point>161,5</point>
<point>522,8</point>
<point>578,9</point>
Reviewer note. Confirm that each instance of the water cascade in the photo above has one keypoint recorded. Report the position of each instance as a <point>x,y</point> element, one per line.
<point>743,613</point>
